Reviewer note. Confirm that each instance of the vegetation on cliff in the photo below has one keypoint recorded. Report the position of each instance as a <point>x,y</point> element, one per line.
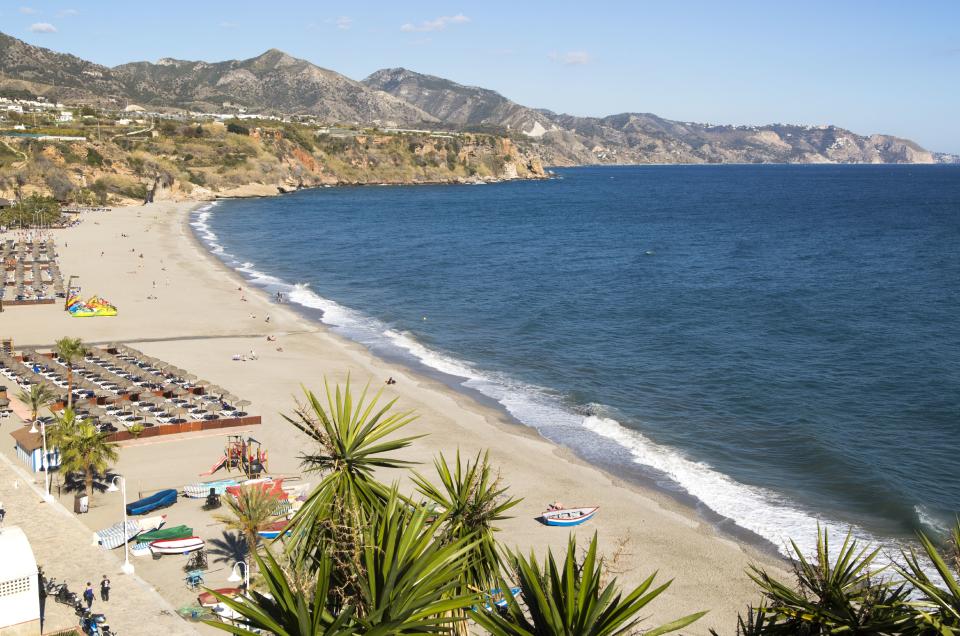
<point>108,163</point>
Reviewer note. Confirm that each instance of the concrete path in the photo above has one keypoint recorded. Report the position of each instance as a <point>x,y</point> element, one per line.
<point>62,546</point>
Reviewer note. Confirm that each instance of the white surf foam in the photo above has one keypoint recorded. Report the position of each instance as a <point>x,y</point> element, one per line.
<point>761,511</point>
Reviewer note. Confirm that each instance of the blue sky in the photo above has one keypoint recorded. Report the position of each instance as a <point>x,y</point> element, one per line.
<point>891,67</point>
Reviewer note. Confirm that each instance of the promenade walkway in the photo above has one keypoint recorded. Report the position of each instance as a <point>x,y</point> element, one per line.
<point>62,546</point>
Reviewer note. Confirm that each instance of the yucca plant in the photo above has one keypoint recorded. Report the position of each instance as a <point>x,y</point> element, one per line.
<point>848,595</point>
<point>472,499</point>
<point>284,610</point>
<point>572,600</point>
<point>405,582</point>
<point>350,445</point>
<point>936,608</point>
<point>756,622</point>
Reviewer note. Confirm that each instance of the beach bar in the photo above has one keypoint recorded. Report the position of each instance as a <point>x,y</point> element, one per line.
<point>29,449</point>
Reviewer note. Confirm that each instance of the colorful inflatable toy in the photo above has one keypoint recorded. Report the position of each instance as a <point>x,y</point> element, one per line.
<point>94,307</point>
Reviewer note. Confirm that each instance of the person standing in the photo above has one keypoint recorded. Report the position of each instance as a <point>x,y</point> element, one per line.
<point>88,595</point>
<point>105,589</point>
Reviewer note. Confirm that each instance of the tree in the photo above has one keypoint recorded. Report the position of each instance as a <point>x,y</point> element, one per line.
<point>407,581</point>
<point>349,437</point>
<point>472,499</point>
<point>36,398</point>
<point>252,509</point>
<point>82,447</point>
<point>571,599</point>
<point>846,595</point>
<point>70,350</point>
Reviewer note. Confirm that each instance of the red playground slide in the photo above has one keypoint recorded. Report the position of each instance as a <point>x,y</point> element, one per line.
<point>216,467</point>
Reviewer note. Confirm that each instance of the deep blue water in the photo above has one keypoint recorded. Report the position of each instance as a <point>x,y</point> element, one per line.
<point>780,343</point>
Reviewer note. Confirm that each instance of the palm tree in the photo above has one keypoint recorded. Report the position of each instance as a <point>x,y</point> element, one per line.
<point>252,509</point>
<point>571,599</point>
<point>936,609</point>
<point>82,447</point>
<point>349,437</point>
<point>37,398</point>
<point>407,581</point>
<point>70,350</point>
<point>847,595</point>
<point>472,499</point>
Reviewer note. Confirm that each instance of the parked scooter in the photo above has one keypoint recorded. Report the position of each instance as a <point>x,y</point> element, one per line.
<point>93,624</point>
<point>65,596</point>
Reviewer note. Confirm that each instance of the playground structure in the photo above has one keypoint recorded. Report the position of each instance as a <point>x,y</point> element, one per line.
<point>244,455</point>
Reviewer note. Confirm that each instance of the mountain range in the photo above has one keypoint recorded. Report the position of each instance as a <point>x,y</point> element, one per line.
<point>278,83</point>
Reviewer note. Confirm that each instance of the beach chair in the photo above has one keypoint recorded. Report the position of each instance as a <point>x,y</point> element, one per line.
<point>194,579</point>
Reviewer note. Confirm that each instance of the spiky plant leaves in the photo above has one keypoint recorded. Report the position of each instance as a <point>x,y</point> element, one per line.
<point>473,499</point>
<point>938,607</point>
<point>405,584</point>
<point>844,595</point>
<point>350,444</point>
<point>285,610</point>
<point>570,599</point>
<point>411,575</point>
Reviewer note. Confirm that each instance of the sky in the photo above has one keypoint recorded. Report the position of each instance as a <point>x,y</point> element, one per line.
<point>869,66</point>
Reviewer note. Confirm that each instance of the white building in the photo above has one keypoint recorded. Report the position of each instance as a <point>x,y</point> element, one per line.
<point>65,115</point>
<point>19,585</point>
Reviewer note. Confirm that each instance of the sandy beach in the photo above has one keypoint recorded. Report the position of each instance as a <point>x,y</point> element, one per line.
<point>180,304</point>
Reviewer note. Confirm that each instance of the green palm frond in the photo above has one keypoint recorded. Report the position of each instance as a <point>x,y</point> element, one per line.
<point>70,350</point>
<point>571,599</point>
<point>82,447</point>
<point>38,397</point>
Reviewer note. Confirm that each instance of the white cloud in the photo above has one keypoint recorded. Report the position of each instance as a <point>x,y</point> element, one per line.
<point>27,10</point>
<point>344,22</point>
<point>572,58</point>
<point>66,13</point>
<point>43,27</point>
<point>438,24</point>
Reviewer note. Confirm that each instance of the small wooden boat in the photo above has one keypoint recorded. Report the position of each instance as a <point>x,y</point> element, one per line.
<point>568,516</point>
<point>273,530</point>
<point>160,499</point>
<point>201,489</point>
<point>176,546</point>
<point>207,599</point>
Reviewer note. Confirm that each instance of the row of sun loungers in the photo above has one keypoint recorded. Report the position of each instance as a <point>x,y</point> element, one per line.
<point>30,272</point>
<point>120,388</point>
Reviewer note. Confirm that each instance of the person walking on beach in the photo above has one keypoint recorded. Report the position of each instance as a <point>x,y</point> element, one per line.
<point>88,595</point>
<point>105,589</point>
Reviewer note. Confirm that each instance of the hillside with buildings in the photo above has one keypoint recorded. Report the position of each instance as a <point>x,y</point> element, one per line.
<point>277,87</point>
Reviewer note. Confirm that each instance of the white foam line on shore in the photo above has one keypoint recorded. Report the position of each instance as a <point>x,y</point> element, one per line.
<point>758,510</point>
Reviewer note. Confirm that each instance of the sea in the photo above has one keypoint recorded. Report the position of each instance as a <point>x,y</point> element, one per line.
<point>777,346</point>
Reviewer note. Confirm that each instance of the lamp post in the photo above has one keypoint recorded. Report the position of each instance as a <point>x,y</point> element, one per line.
<point>235,578</point>
<point>45,463</point>
<point>127,567</point>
